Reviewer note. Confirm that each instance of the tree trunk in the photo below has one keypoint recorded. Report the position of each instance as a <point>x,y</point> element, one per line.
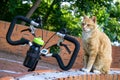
<point>33,8</point>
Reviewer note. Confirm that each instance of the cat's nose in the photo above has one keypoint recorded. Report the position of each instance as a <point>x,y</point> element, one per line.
<point>84,28</point>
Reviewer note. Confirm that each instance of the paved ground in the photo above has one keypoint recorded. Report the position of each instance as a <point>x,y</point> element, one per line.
<point>11,64</point>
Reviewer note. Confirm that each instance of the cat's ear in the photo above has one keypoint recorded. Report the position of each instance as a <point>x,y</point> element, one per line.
<point>94,19</point>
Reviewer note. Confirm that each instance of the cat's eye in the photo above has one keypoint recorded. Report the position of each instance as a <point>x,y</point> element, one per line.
<point>88,24</point>
<point>83,24</point>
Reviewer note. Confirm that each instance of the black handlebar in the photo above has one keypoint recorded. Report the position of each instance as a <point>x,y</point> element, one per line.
<point>73,57</point>
<point>12,25</point>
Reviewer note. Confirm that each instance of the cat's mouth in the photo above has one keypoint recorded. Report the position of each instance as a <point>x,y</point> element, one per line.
<point>86,30</point>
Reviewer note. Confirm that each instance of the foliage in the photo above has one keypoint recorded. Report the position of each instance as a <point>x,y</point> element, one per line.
<point>58,14</point>
<point>11,8</point>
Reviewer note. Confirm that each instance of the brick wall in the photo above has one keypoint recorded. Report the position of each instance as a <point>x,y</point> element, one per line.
<point>21,49</point>
<point>76,77</point>
<point>93,77</point>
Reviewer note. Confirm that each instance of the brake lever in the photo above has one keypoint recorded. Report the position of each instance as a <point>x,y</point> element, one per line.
<point>61,44</point>
<point>31,30</point>
<point>66,47</point>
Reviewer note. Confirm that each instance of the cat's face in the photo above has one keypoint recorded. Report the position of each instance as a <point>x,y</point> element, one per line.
<point>88,24</point>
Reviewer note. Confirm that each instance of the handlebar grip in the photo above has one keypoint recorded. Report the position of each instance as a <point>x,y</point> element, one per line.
<point>73,57</point>
<point>10,30</point>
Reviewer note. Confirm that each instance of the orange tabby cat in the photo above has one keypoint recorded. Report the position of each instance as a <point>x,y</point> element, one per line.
<point>97,47</point>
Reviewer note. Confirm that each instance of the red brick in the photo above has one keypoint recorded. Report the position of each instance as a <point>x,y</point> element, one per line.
<point>84,77</point>
<point>75,78</point>
<point>61,79</point>
<point>70,78</point>
<point>118,76</point>
<point>88,77</point>
<point>7,78</point>
<point>97,77</point>
<point>115,77</point>
<point>93,77</point>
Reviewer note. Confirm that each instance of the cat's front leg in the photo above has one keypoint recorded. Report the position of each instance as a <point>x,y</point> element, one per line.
<point>85,60</point>
<point>85,70</point>
<point>91,61</point>
<point>96,72</point>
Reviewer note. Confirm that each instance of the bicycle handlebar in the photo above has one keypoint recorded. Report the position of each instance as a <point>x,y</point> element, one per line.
<point>73,57</point>
<point>12,25</point>
<point>25,41</point>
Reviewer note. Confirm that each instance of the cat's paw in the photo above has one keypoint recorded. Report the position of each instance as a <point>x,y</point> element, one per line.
<point>85,70</point>
<point>96,72</point>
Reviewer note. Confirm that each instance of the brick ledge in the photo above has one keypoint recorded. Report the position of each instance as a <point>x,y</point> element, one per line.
<point>67,75</point>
